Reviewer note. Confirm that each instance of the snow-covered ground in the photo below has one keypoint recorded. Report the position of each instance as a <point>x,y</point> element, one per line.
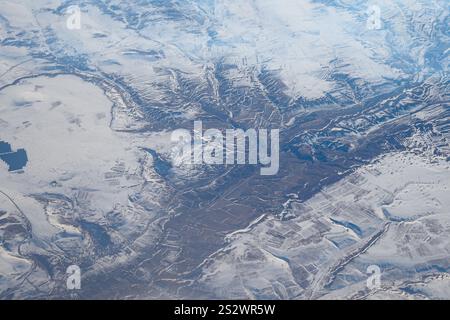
<point>363,115</point>
<point>393,213</point>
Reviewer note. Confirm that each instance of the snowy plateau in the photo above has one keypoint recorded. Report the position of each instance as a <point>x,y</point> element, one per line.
<point>87,176</point>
